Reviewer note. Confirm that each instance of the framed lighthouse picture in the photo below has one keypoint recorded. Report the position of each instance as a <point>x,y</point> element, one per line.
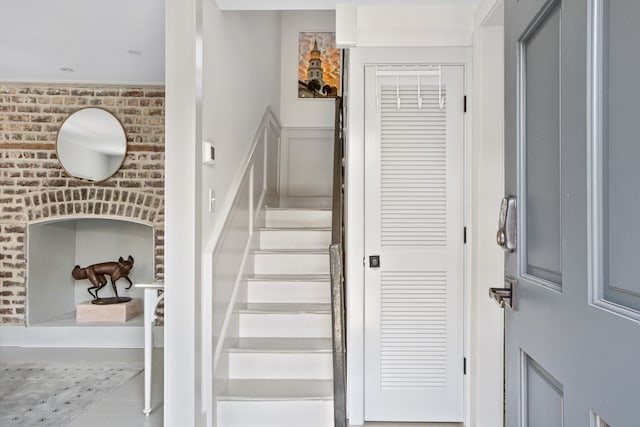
<point>318,65</point>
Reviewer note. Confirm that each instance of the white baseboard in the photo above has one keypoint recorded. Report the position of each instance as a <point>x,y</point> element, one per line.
<point>75,336</point>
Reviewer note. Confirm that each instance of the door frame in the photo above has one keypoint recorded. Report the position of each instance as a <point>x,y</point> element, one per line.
<point>354,207</point>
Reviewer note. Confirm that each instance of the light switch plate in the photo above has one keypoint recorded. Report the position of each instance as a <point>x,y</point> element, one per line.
<point>208,153</point>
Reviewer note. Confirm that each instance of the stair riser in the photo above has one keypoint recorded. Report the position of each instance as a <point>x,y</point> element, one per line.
<point>264,365</point>
<point>297,218</point>
<point>302,325</point>
<point>291,263</point>
<point>296,413</point>
<point>294,239</point>
<point>289,292</point>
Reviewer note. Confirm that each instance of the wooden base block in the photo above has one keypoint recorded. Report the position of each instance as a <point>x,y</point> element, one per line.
<point>88,312</point>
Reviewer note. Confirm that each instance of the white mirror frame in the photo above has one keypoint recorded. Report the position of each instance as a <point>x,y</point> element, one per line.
<point>91,144</point>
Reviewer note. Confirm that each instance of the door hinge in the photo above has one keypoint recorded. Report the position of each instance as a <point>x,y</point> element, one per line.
<point>465,103</point>
<point>464,233</point>
<point>464,366</point>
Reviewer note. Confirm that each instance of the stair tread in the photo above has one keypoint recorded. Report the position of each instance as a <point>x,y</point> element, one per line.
<point>282,345</point>
<point>285,308</point>
<point>291,251</point>
<point>294,228</point>
<point>273,208</point>
<point>290,277</point>
<point>278,389</point>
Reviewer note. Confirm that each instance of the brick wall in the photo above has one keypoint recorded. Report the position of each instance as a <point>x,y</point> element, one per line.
<point>34,187</point>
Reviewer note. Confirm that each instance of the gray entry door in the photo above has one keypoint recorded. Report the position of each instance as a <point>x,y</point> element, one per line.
<point>572,151</point>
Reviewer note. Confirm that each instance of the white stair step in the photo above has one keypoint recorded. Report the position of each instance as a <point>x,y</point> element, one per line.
<point>277,390</point>
<point>283,413</point>
<point>295,218</point>
<point>285,320</point>
<point>291,345</point>
<point>299,261</point>
<point>294,238</point>
<point>305,288</point>
<point>254,413</point>
<point>276,403</point>
<point>280,358</point>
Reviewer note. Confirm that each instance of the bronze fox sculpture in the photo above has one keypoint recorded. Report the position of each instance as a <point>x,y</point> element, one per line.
<point>96,274</point>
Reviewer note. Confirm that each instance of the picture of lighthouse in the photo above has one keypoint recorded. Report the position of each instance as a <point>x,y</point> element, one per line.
<point>318,66</point>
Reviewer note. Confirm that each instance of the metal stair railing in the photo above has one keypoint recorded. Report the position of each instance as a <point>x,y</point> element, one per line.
<point>336,253</point>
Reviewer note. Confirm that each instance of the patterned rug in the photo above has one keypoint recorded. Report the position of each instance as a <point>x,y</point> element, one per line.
<point>54,393</point>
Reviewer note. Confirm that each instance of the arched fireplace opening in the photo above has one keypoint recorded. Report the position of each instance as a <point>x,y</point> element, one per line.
<point>55,246</point>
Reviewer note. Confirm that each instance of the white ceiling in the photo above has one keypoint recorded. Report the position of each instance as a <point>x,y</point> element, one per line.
<point>113,41</point>
<point>93,37</point>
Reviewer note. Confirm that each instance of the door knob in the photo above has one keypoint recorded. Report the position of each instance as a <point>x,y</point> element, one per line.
<point>505,296</point>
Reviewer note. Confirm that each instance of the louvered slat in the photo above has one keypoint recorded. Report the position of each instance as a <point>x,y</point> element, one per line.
<point>413,167</point>
<point>413,334</point>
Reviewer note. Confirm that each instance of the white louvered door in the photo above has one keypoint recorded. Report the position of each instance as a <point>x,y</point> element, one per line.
<point>414,222</point>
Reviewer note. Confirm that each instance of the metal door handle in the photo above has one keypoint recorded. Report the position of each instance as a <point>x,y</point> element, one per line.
<point>506,237</point>
<point>504,296</point>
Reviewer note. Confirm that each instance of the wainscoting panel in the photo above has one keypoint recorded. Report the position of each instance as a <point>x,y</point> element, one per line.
<point>306,163</point>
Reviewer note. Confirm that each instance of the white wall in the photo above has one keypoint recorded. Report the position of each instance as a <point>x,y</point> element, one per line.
<point>222,71</point>
<point>395,26</point>
<point>302,112</point>
<point>99,240</point>
<point>241,79</point>
<point>307,139</point>
<point>50,287</point>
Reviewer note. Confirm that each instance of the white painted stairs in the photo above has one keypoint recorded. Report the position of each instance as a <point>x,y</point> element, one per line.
<point>281,367</point>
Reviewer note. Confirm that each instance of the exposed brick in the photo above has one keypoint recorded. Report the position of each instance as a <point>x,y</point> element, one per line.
<point>154,94</point>
<point>107,92</point>
<point>42,119</point>
<point>57,91</point>
<point>35,187</point>
<point>132,93</point>
<point>82,92</point>
<point>27,108</point>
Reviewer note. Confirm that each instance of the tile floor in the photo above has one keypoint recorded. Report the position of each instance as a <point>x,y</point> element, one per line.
<point>123,407</point>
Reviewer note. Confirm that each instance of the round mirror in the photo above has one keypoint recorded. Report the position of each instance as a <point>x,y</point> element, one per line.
<point>91,144</point>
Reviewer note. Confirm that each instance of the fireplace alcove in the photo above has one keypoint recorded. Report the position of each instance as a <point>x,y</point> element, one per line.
<point>55,246</point>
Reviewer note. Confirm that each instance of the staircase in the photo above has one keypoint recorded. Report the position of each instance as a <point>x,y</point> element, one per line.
<point>281,367</point>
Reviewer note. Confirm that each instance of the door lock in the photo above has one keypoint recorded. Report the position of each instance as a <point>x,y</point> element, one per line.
<point>505,297</point>
<point>374,261</point>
